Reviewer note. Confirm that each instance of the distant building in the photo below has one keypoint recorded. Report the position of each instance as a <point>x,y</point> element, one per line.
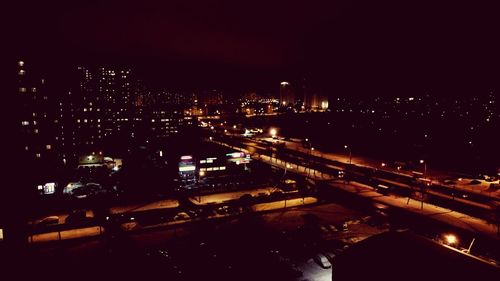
<point>108,109</point>
<point>212,97</point>
<point>316,102</point>
<point>35,118</point>
<point>287,96</point>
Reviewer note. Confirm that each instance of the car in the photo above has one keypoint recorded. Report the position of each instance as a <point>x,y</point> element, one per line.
<point>181,216</point>
<point>77,216</point>
<point>330,256</point>
<point>52,220</point>
<point>332,228</point>
<point>222,210</point>
<point>80,193</point>
<point>322,261</point>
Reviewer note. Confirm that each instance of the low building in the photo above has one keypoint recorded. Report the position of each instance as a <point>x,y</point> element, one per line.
<point>406,256</point>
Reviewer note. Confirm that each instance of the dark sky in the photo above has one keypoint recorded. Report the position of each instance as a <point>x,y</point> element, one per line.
<point>361,47</point>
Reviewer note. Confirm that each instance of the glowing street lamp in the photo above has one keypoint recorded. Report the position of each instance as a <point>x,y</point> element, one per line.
<point>425,167</point>
<point>451,239</point>
<point>350,153</point>
<point>273,132</point>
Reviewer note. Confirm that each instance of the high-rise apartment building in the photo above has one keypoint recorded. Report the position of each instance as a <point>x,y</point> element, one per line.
<point>287,96</point>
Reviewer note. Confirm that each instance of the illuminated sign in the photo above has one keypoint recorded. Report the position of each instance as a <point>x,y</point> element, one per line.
<point>239,157</point>
<point>187,168</point>
<point>48,188</point>
<point>186,157</point>
<point>236,154</point>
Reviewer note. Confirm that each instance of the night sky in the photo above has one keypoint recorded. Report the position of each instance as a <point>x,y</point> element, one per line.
<point>348,47</point>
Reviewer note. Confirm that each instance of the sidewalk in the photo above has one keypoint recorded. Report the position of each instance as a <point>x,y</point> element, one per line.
<point>222,197</point>
<point>162,204</point>
<point>283,204</point>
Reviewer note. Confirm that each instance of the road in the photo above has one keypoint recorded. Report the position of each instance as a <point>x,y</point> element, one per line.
<point>444,215</point>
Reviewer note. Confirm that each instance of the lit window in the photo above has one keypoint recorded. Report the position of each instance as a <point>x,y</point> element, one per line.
<point>38,155</point>
<point>22,90</point>
<point>25,123</point>
<point>48,147</point>
<point>20,63</point>
<point>26,148</point>
<point>22,72</point>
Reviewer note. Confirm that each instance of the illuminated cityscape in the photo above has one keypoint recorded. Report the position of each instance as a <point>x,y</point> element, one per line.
<point>251,141</point>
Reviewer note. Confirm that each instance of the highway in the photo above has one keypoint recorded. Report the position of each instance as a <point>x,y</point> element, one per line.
<point>293,152</point>
<point>468,214</point>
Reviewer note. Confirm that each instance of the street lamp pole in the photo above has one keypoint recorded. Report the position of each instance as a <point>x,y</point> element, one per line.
<point>425,183</point>
<point>350,153</point>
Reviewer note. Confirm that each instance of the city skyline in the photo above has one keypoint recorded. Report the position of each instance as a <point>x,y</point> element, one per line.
<point>258,140</point>
<point>349,48</point>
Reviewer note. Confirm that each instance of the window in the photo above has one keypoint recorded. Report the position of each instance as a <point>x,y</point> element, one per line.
<point>48,147</point>
<point>22,89</point>
<point>25,123</point>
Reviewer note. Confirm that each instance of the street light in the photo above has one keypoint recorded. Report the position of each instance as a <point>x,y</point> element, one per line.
<point>450,239</point>
<point>422,187</point>
<point>425,167</point>
<point>350,153</point>
<point>273,132</point>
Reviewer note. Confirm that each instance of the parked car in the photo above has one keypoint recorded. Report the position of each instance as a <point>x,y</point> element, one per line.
<point>322,261</point>
<point>181,216</point>
<point>77,216</point>
<point>52,220</point>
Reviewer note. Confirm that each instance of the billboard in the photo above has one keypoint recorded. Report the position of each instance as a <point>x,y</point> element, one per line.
<point>187,164</point>
<point>239,157</point>
<point>48,188</point>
